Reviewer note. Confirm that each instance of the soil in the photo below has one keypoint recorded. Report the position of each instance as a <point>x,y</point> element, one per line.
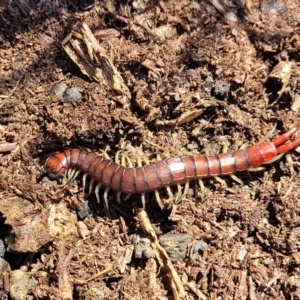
<point>197,77</point>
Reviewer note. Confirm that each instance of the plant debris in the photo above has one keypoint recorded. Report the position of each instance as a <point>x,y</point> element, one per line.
<point>141,80</point>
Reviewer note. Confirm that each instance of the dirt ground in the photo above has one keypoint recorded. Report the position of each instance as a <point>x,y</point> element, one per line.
<point>172,77</point>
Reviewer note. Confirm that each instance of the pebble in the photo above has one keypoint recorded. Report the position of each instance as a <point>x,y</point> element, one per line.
<point>18,289</point>
<point>57,90</point>
<point>72,94</point>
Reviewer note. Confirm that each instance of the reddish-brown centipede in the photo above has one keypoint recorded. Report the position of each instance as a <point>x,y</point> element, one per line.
<point>167,172</point>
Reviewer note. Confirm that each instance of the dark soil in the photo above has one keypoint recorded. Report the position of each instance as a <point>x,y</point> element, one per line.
<point>199,78</point>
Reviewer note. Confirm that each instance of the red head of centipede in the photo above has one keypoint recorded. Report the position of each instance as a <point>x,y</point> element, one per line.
<point>56,165</point>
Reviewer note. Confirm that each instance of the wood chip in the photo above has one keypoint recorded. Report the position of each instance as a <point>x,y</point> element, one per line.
<point>84,49</point>
<point>7,147</point>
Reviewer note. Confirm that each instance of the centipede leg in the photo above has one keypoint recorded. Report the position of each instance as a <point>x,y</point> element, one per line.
<point>123,160</point>
<point>91,186</point>
<point>236,179</point>
<point>179,194</point>
<point>222,181</point>
<point>202,189</point>
<point>126,161</point>
<point>256,169</point>
<point>233,177</point>
<point>185,191</point>
<point>158,199</point>
<point>159,202</point>
<point>143,200</point>
<point>119,197</point>
<point>75,175</point>
<point>127,197</point>
<point>98,186</point>
<point>69,174</point>
<point>105,197</point>
<point>269,134</point>
<point>104,153</point>
<point>171,195</point>
<point>225,145</point>
<point>84,181</point>
<point>72,174</point>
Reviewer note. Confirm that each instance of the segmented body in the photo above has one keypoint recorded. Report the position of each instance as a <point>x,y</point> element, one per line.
<point>171,171</point>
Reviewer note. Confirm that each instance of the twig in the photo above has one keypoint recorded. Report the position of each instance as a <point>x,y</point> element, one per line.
<point>161,255</point>
<point>64,280</point>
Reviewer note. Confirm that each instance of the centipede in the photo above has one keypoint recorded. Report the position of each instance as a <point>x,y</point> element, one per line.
<point>164,173</point>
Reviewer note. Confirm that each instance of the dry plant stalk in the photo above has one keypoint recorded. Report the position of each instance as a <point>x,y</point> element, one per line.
<point>161,255</point>
<point>64,281</point>
<point>84,49</point>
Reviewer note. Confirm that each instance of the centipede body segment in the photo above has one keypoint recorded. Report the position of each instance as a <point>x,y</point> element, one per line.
<point>170,171</point>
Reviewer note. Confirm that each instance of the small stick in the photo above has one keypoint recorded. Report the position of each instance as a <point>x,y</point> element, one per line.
<point>65,285</point>
<point>7,147</point>
<point>161,255</point>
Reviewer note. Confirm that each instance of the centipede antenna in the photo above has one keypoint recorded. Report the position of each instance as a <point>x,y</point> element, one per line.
<point>98,186</point>
<point>39,168</point>
<point>91,186</point>
<point>159,202</point>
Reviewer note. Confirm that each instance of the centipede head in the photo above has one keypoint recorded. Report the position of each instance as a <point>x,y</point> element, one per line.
<point>53,168</point>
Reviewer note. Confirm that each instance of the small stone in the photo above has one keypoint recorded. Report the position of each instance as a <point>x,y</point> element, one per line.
<point>18,285</point>
<point>57,90</point>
